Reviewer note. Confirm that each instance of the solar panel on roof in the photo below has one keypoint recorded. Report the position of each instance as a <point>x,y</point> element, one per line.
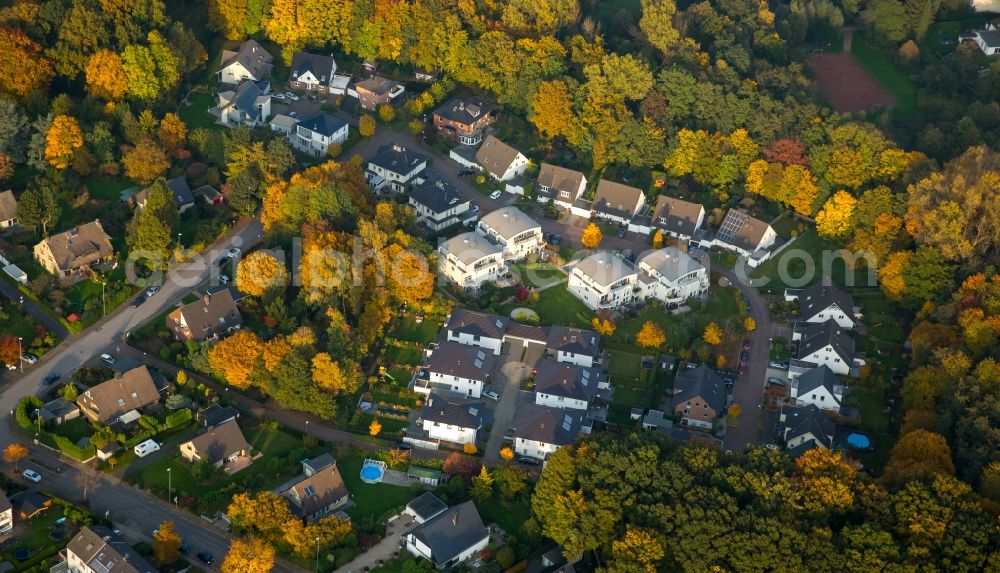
<point>481,355</point>
<point>567,422</point>
<point>499,323</point>
<point>474,411</point>
<point>479,363</point>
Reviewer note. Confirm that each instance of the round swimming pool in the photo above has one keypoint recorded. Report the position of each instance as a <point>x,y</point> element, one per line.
<point>859,441</point>
<point>371,473</point>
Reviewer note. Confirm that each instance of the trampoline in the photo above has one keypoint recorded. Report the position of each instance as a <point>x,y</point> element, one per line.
<point>859,441</point>
<point>372,471</point>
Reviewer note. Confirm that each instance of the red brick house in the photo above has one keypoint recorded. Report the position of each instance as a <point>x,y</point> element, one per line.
<point>464,119</point>
<point>376,91</point>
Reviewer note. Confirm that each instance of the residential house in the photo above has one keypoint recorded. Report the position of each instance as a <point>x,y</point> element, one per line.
<point>222,445</point>
<point>671,276</point>
<point>320,491</point>
<point>744,234</point>
<point>574,346</point>
<point>249,62</point>
<point>500,160</point>
<point>438,204</point>
<point>376,91</point>
<point>819,303</point>
<point>210,195</point>
<point>463,119</point>
<point>424,75</point>
<point>97,549</point>
<point>457,368</point>
<point>8,209</point>
<point>447,417</point>
<point>6,513</point>
<point>525,335</point>
<point>315,134</point>
<point>58,411</point>
<point>518,234</point>
<point>110,401</point>
<point>28,504</point>
<point>178,186</point>
<point>818,386</point>
<point>211,317</point>
<point>988,41</point>
<point>468,260</point>
<point>699,397</point>
<point>216,415</point>
<point>450,537</point>
<point>820,344</point>
<point>283,124</point>
<point>539,431</point>
<point>566,386</point>
<point>71,253</point>
<point>617,202</point>
<point>560,185</point>
<point>249,104</point>
<point>678,218</point>
<point>805,427</point>
<point>394,167</point>
<point>312,72</point>
<point>425,507</point>
<point>604,280</point>
<point>473,328</point>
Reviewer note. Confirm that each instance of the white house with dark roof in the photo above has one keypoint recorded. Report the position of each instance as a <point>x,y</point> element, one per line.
<point>819,387</point>
<point>671,276</point>
<point>450,537</point>
<point>478,329</point>
<point>745,236</point>
<point>820,303</point>
<point>559,185</point>
<point>566,386</point>
<point>393,168</point>
<point>249,104</point>
<point>315,134</point>
<point>518,234</point>
<point>822,344</point>
<point>805,427</point>
<point>617,202</point>
<point>574,346</point>
<point>425,507</point>
<point>539,431</point>
<point>311,72</point>
<point>988,41</point>
<point>500,160</point>
<point>699,397</point>
<point>468,260</point>
<point>249,62</point>
<point>677,218</point>
<point>456,368</point>
<point>437,203</point>
<point>447,417</point>
<point>604,280</point>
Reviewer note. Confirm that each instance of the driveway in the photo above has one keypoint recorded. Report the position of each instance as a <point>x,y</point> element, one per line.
<point>509,376</point>
<point>384,550</point>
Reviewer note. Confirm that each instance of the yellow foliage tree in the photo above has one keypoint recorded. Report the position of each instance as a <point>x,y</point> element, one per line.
<point>506,453</point>
<point>172,132</point>
<point>551,111</point>
<point>713,334</point>
<point>234,357</point>
<point>366,125</point>
<point>250,555</point>
<point>335,377</point>
<point>62,140</point>
<point>145,162</point>
<point>603,326</point>
<point>411,279</point>
<point>920,454</point>
<point>890,274</point>
<point>14,453</point>
<point>470,448</point>
<point>274,351</point>
<point>106,77</point>
<point>166,544</point>
<point>592,236</point>
<point>657,239</point>
<point>374,428</point>
<point>25,67</point>
<point>260,272</point>
<point>720,362</point>
<point>650,336</point>
<point>735,410</point>
<point>827,481</point>
<point>749,324</point>
<point>640,547</point>
<point>834,219</point>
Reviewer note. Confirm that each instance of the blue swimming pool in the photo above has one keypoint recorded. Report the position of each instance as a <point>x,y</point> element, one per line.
<point>372,473</point>
<point>859,441</point>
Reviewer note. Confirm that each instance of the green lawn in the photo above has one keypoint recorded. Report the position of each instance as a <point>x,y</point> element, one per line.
<point>793,268</point>
<point>196,114</point>
<point>949,32</point>
<point>107,188</point>
<point>399,355</point>
<point>74,430</point>
<point>272,442</point>
<point>407,329</point>
<point>878,457</point>
<point>538,274</point>
<point>871,406</point>
<point>625,366</point>
<point>371,501</point>
<point>880,65</point>
<point>511,517</point>
<point>557,306</point>
<point>629,396</point>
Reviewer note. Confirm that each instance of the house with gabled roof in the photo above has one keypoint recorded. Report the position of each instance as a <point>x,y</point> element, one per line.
<point>500,160</point>
<point>468,260</point>
<point>212,316</point>
<point>437,203</point>
<point>744,234</point>
<point>604,280</point>
<point>98,549</point>
<point>451,418</point>
<point>128,391</point>
<point>823,344</point>
<point>6,513</point>
<point>8,209</point>
<point>463,119</point>
<point>559,185</point>
<point>315,134</point>
<point>248,104</point>
<point>376,91</point>
<point>456,368</point>
<point>539,431</point>
<point>425,507</point>
<point>311,72</point>
<point>677,218</point>
<point>178,186</point>
<point>223,445</point>
<point>567,386</point>
<point>671,276</point>
<point>617,202</point>
<point>805,427</point>
<point>393,168</point>
<point>73,252</point>
<point>249,62</point>
<point>819,303</point>
<point>699,397</point>
<point>450,537</point>
<point>479,329</point>
<point>518,234</point>
<point>818,386</point>
<point>320,491</point>
<point>574,346</point>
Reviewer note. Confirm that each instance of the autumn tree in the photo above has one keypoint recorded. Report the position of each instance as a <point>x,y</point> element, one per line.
<point>592,236</point>
<point>172,132</point>
<point>237,19</point>
<point>14,453</point>
<point>23,66</point>
<point>603,324</point>
<point>712,334</point>
<point>366,125</point>
<point>749,324</point>
<point>233,358</point>
<point>506,453</point>
<point>511,480</point>
<point>640,547</point>
<point>250,555</point>
<point>650,336</point>
<point>482,485</point>
<point>106,77</point>
<point>657,241</point>
<point>374,428</point>
<point>470,448</point>
<point>260,272</point>
<point>145,161</point>
<point>834,220</point>
<point>10,349</point>
<point>62,140</point>
<point>919,454</point>
<point>166,544</point>
<point>386,113</point>
<point>335,377</point>
<point>551,112</point>
<point>657,24</point>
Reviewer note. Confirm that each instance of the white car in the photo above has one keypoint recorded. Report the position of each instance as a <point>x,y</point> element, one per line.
<point>108,358</point>
<point>233,252</point>
<point>224,279</point>
<point>495,195</point>
<point>291,96</point>
<point>32,475</point>
<point>277,96</point>
<point>492,395</point>
<point>144,449</point>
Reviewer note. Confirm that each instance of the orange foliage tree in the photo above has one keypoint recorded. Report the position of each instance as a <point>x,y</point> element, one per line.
<point>234,357</point>
<point>23,66</point>
<point>62,140</point>
<point>106,77</point>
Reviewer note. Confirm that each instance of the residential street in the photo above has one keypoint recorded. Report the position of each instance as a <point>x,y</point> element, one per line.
<point>509,378</point>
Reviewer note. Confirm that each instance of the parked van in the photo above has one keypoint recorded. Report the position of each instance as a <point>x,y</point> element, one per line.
<point>144,449</point>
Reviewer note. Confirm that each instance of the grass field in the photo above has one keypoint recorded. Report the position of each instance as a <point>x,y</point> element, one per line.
<point>107,188</point>
<point>196,114</point>
<point>407,329</point>
<point>557,306</point>
<point>625,366</point>
<point>371,500</point>
<point>399,355</point>
<point>538,274</point>
<point>880,65</point>
<point>871,406</point>
<point>804,262</point>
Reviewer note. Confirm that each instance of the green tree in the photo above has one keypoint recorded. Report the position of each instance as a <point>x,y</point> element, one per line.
<point>887,19</point>
<point>657,24</point>
<point>152,228</point>
<point>36,207</point>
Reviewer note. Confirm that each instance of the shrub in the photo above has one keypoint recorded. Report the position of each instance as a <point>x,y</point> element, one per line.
<point>69,448</point>
<point>178,418</point>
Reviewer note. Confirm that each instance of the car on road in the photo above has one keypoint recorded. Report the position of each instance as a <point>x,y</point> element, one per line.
<point>117,532</point>
<point>293,114</point>
<point>492,395</point>
<point>224,279</point>
<point>744,356</point>
<point>278,96</point>
<point>138,300</point>
<point>746,345</point>
<point>233,253</point>
<point>474,209</point>
<point>32,475</point>
<point>152,290</point>
<point>291,96</point>
<point>50,379</point>
<point>775,380</point>
<point>185,547</point>
<point>465,172</point>
<point>108,359</point>
<point>495,195</point>
<point>777,364</point>
<point>206,557</point>
<point>29,358</point>
<point>555,239</point>
<point>404,447</point>
<point>145,448</point>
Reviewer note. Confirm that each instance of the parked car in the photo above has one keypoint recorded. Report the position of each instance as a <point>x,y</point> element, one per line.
<point>185,547</point>
<point>474,209</point>
<point>278,96</point>
<point>233,253</point>
<point>206,557</point>
<point>778,381</point>
<point>32,475</point>
<point>293,114</point>
<point>50,379</point>
<point>29,358</point>
<point>152,290</point>
<point>108,359</point>
<point>145,448</point>
<point>744,356</point>
<point>492,395</point>
<point>528,461</point>
<point>404,447</point>
<point>291,96</point>
<point>138,300</point>
<point>778,364</point>
<point>746,345</point>
<point>555,239</point>
<point>224,279</point>
<point>742,369</point>
<point>495,195</point>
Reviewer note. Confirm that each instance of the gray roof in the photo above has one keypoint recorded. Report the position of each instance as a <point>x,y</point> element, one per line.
<point>453,410</point>
<point>819,297</point>
<point>990,37</point>
<point>496,156</point>
<point>452,532</point>
<point>558,179</point>
<point>817,336</point>
<point>397,159</point>
<point>454,359</point>
<point>670,262</point>
<point>319,462</point>
<point>574,340</point>
<point>701,382</point>
<point>314,493</point>
<point>8,206</point>
<point>802,420</point>
<point>528,332</point>
<point>80,245</point>
<point>220,442</point>
<point>426,506</point>
<point>470,247</point>
<point>323,123</point>
<point>466,110</point>
<point>617,198</point>
<point>547,425</point>
<point>103,551</point>
<point>178,186</point>
<point>437,196</point>
<point>214,313</point>
<point>566,380</point>
<point>680,216</point>
<point>742,230</point>
<point>216,414</point>
<point>604,268</point>
<point>252,56</point>
<point>477,323</point>
<point>245,97</point>
<point>320,66</point>
<point>509,222</point>
<point>377,85</point>
<point>821,376</point>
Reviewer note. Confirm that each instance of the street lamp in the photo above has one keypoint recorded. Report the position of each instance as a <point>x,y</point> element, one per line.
<point>317,555</point>
<point>104,306</point>
<point>20,355</point>
<point>169,486</point>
